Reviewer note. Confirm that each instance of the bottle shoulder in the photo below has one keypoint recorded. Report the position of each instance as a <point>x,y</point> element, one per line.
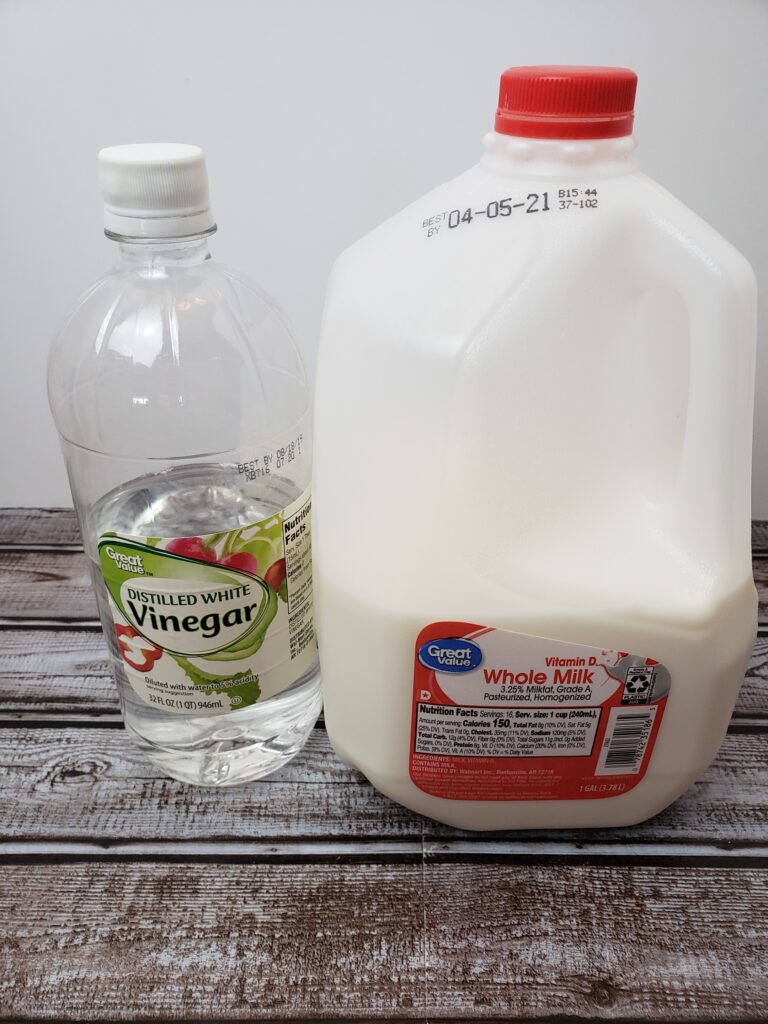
<point>168,346</point>
<point>674,220</point>
<point>142,314</point>
<point>209,282</point>
<point>407,216</point>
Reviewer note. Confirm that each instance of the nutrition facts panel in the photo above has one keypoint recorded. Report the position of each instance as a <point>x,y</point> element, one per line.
<point>513,732</point>
<point>298,574</point>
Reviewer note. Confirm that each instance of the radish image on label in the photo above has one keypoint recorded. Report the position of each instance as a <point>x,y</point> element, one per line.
<point>531,486</point>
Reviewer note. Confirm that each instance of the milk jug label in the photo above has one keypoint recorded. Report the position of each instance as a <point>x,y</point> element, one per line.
<point>505,716</point>
<point>211,624</point>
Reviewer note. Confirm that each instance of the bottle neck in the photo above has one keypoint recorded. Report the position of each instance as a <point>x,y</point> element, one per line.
<point>158,255</point>
<point>559,158</point>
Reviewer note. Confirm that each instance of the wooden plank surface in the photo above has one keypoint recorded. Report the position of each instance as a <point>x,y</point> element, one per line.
<point>46,585</point>
<point>760,570</point>
<point>594,943</point>
<point>440,941</point>
<point>22,527</point>
<point>29,527</point>
<point>753,698</point>
<point>760,535</point>
<point>56,584</point>
<point>66,672</point>
<point>128,896</point>
<point>94,785</point>
<point>63,672</point>
<point>151,941</point>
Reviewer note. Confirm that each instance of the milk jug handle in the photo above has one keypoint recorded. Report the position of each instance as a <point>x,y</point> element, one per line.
<point>710,507</point>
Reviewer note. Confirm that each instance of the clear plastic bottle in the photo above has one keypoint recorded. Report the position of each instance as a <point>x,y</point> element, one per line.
<point>184,415</point>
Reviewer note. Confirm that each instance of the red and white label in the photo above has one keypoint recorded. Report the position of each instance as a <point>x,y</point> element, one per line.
<point>505,716</point>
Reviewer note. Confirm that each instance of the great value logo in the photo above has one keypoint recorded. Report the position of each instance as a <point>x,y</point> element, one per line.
<point>451,654</point>
<point>128,563</point>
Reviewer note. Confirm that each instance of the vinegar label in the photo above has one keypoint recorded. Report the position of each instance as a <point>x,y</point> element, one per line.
<point>212,624</point>
<point>499,715</point>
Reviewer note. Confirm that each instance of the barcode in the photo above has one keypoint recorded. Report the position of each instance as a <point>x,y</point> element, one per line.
<point>625,741</point>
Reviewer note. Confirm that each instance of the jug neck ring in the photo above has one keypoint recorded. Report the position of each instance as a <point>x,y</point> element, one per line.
<point>559,158</point>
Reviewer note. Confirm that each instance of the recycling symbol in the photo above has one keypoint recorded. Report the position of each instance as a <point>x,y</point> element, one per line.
<point>638,684</point>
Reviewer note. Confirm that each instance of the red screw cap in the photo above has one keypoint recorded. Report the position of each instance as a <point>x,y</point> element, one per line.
<point>566,102</point>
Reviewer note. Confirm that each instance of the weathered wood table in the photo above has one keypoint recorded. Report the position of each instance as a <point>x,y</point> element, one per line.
<point>128,896</point>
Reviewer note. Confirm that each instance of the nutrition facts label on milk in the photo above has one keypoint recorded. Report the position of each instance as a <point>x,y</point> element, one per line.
<point>516,732</point>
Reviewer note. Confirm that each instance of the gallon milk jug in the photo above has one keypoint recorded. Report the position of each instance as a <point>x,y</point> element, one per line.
<point>534,413</point>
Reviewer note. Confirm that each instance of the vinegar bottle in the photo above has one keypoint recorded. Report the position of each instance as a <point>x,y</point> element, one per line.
<point>183,411</point>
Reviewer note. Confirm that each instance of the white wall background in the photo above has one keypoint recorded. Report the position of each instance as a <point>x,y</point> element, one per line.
<point>320,119</point>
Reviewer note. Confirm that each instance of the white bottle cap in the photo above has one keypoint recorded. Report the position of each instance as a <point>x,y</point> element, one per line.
<point>155,190</point>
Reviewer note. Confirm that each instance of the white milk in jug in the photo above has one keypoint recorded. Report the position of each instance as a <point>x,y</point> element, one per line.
<point>534,415</point>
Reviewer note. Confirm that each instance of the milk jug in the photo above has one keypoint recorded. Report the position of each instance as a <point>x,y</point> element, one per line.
<point>531,486</point>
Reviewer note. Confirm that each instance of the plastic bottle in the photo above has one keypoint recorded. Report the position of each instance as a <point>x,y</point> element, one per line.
<point>183,410</point>
<point>533,425</point>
